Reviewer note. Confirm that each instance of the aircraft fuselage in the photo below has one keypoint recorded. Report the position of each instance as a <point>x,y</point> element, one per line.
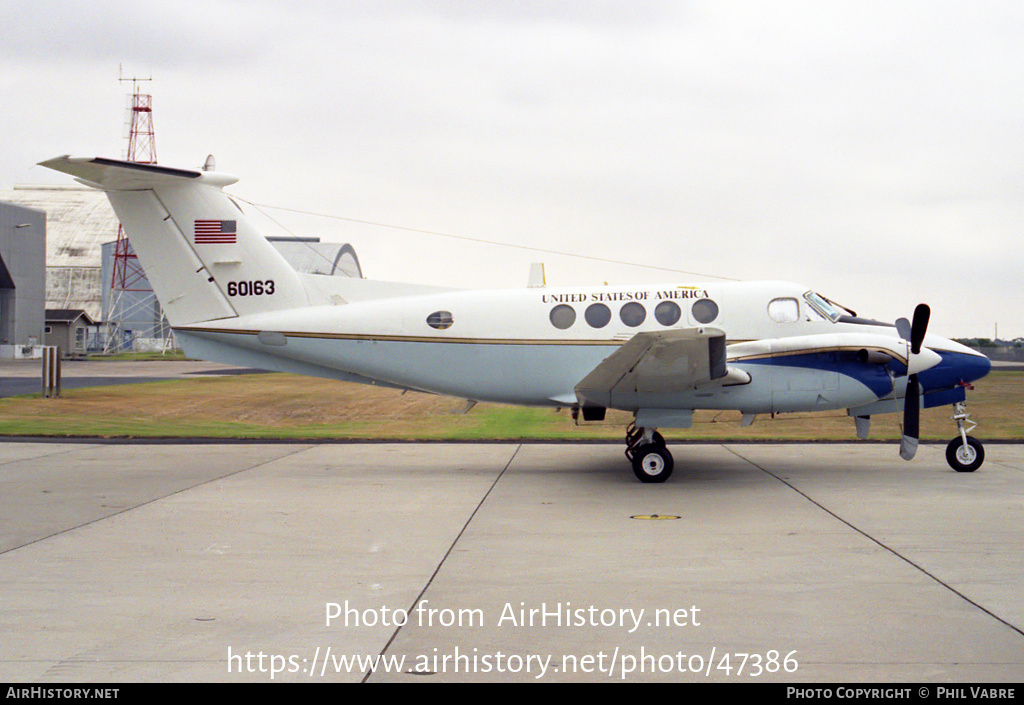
<point>532,346</point>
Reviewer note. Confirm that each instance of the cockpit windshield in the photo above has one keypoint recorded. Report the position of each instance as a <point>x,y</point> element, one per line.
<point>821,305</point>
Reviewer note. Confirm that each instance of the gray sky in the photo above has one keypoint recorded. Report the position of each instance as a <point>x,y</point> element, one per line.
<point>873,151</point>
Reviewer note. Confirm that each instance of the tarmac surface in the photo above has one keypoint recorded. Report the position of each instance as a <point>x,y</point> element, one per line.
<point>126,562</point>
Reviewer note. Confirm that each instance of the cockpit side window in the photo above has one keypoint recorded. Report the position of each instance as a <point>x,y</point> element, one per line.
<point>785,310</point>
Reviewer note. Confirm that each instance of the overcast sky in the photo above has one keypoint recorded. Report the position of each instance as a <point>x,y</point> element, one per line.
<point>873,151</point>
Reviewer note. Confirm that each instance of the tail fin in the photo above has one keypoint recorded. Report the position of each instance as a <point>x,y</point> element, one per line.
<point>201,254</point>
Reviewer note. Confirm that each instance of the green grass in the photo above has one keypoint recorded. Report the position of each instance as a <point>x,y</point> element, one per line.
<point>288,407</point>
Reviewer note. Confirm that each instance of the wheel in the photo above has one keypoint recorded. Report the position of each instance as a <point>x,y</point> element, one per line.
<point>652,463</point>
<point>658,439</point>
<point>965,458</point>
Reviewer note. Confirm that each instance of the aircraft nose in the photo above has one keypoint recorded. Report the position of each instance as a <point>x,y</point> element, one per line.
<point>956,367</point>
<point>959,364</point>
<point>974,367</point>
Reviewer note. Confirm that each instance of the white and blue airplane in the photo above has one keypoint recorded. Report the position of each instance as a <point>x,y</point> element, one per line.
<point>659,351</point>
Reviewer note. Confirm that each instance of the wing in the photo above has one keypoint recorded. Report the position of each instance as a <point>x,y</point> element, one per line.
<point>657,362</point>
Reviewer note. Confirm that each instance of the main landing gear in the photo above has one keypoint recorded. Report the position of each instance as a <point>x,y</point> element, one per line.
<point>646,450</point>
<point>964,453</point>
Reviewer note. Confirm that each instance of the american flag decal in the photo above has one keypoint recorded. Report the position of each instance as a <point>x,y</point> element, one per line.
<point>215,232</point>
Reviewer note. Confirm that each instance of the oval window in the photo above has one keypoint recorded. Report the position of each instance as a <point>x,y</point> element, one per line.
<point>667,313</point>
<point>633,314</point>
<point>704,311</point>
<point>440,320</point>
<point>563,316</point>
<point>598,315</point>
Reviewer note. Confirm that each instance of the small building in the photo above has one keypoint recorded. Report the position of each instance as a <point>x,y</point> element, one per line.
<point>70,329</point>
<point>22,280</point>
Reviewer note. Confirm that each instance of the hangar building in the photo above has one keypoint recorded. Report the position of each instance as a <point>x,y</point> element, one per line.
<point>22,279</point>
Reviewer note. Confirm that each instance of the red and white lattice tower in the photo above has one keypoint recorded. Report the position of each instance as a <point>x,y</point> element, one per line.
<point>128,275</point>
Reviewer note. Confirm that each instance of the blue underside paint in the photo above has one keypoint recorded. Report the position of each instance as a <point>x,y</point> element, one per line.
<point>954,368</point>
<point>944,397</point>
<point>874,377</point>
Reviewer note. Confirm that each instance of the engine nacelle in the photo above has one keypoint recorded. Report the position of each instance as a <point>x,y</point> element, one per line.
<point>873,357</point>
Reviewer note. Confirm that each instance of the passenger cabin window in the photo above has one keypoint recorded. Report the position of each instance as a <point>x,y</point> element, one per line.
<point>563,316</point>
<point>667,313</point>
<point>785,310</point>
<point>704,311</point>
<point>632,314</point>
<point>598,315</point>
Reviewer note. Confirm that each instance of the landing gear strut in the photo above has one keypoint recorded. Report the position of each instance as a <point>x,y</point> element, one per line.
<point>646,450</point>
<point>964,453</point>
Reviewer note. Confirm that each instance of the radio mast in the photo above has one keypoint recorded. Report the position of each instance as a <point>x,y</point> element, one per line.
<point>132,306</point>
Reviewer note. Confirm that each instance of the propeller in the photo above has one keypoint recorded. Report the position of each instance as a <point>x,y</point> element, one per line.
<point>914,333</point>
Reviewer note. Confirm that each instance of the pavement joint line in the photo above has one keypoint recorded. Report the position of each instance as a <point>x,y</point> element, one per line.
<point>51,455</point>
<point>444,558</point>
<point>152,500</point>
<point>882,545</point>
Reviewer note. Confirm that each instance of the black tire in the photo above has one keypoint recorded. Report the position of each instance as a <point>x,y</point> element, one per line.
<point>652,463</point>
<point>965,458</point>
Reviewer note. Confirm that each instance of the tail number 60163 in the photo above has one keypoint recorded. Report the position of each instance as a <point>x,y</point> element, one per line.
<point>251,288</point>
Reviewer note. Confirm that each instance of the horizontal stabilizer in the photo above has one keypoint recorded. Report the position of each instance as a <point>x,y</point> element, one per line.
<point>116,175</point>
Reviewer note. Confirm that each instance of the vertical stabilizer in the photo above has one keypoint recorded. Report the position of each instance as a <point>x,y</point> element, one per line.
<point>203,257</point>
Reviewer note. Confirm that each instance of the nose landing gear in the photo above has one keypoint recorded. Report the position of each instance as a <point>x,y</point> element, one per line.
<point>964,453</point>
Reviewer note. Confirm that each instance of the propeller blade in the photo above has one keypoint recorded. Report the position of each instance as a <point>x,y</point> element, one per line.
<point>919,327</point>
<point>903,328</point>
<point>911,419</point>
